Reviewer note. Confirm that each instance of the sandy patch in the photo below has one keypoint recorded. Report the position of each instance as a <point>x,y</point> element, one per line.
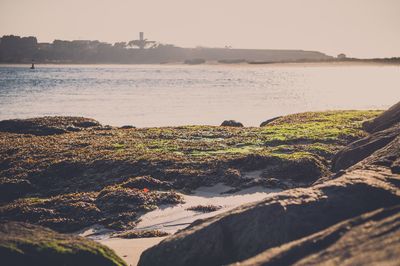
<point>130,249</point>
<point>171,218</point>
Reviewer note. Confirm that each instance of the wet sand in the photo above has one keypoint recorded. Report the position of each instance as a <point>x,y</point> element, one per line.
<point>170,219</point>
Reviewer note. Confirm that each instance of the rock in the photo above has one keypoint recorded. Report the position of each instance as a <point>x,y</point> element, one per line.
<point>149,182</point>
<point>128,127</point>
<point>231,123</point>
<point>25,244</point>
<point>360,149</point>
<point>14,188</point>
<point>141,234</point>
<point>282,217</point>
<point>384,128</point>
<point>369,239</point>
<point>386,157</point>
<point>119,199</point>
<point>305,169</point>
<point>266,122</point>
<point>86,123</point>
<point>204,208</point>
<point>48,125</point>
<point>385,120</point>
<point>63,213</point>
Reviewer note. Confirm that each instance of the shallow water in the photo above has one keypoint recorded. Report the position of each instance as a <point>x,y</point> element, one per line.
<point>170,95</point>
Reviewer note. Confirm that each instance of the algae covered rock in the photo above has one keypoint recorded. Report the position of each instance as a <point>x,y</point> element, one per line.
<point>44,126</point>
<point>148,182</point>
<point>120,199</point>
<point>25,244</point>
<point>269,121</point>
<point>141,234</point>
<point>284,217</point>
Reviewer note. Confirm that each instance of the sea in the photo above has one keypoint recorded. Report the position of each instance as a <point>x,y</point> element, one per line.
<point>176,95</point>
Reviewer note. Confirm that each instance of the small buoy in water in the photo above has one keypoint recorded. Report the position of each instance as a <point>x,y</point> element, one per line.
<point>33,66</point>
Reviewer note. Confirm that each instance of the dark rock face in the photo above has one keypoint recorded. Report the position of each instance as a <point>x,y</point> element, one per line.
<point>359,150</point>
<point>14,188</point>
<point>385,120</point>
<point>25,244</point>
<point>231,123</point>
<point>371,239</point>
<point>44,126</point>
<point>384,128</point>
<point>288,216</point>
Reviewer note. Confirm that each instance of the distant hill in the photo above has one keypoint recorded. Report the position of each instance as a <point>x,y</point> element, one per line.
<point>16,49</point>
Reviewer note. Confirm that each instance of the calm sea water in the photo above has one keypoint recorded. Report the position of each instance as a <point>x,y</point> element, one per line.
<point>166,95</point>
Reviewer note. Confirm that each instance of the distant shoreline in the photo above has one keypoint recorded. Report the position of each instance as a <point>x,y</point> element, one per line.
<point>359,62</point>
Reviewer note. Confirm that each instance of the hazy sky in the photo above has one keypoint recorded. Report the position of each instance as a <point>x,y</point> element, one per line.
<point>360,28</point>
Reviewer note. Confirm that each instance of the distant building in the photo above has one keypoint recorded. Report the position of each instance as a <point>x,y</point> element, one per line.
<point>142,42</point>
<point>341,56</point>
<point>44,45</point>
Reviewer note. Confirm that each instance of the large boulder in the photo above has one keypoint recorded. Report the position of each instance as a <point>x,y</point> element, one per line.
<point>369,239</point>
<point>48,125</point>
<point>25,244</point>
<point>280,218</point>
<point>284,217</point>
<point>385,120</point>
<point>361,149</point>
<point>384,129</point>
<point>14,188</point>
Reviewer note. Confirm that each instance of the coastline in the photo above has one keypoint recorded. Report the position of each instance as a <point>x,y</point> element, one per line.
<point>127,179</point>
<point>359,62</point>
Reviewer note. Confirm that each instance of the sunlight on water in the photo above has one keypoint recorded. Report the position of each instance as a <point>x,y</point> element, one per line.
<point>167,95</point>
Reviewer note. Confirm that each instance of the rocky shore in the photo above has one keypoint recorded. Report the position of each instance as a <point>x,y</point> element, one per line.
<point>348,218</point>
<point>337,170</point>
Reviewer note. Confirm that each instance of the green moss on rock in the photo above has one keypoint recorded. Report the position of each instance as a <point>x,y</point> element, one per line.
<point>25,244</point>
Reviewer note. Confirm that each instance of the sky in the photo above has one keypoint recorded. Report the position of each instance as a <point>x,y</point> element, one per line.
<point>358,28</point>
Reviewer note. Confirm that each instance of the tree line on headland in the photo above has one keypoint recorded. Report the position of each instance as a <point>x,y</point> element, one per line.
<point>16,49</point>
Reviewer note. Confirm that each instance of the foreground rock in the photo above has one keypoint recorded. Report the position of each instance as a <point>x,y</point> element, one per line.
<point>370,239</point>
<point>284,217</point>
<point>25,244</point>
<point>50,125</point>
<point>294,214</point>
<point>270,226</point>
<point>361,149</point>
<point>384,129</point>
<point>384,121</point>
